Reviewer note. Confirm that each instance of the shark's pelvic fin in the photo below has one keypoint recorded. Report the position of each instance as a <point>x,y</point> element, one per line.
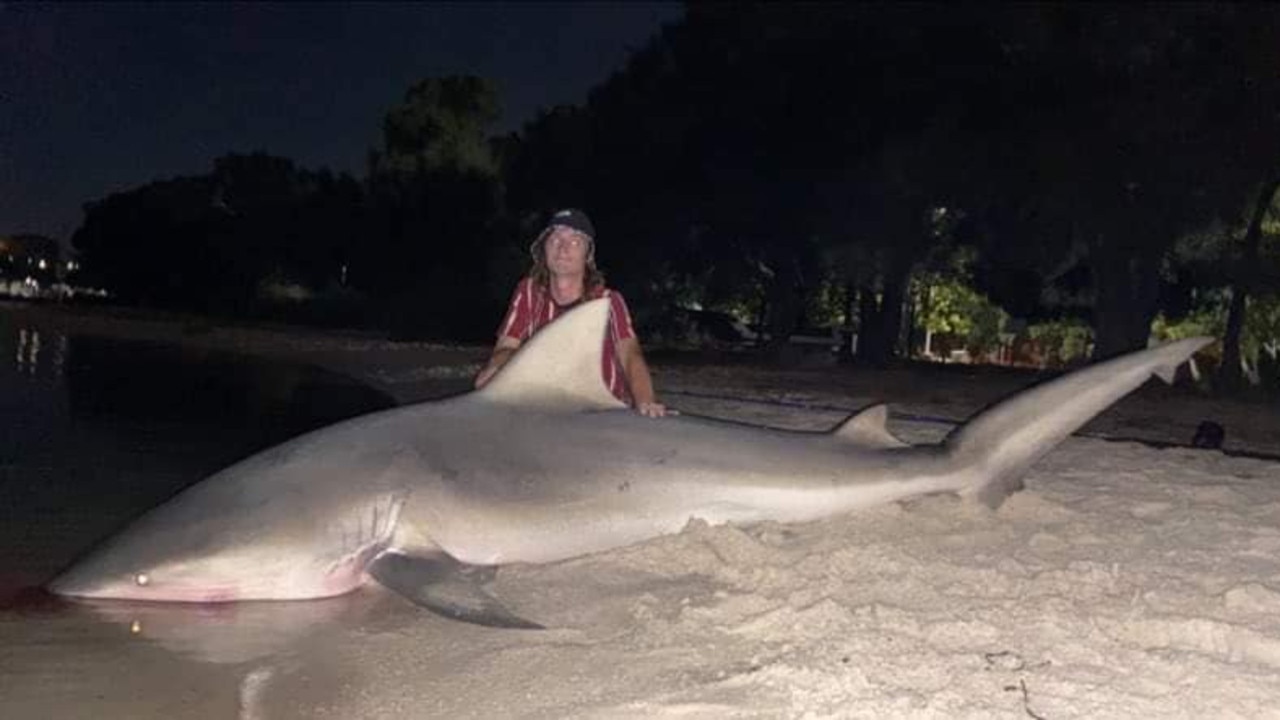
<point>867,428</point>
<point>560,366</point>
<point>445,586</point>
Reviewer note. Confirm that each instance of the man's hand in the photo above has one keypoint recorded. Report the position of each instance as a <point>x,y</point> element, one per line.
<point>654,409</point>
<point>502,352</point>
<point>485,375</point>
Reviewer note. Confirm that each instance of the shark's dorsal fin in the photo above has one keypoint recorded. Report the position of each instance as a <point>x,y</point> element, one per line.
<point>867,429</point>
<point>560,366</point>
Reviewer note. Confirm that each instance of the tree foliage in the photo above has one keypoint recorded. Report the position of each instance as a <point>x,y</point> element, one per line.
<point>207,242</point>
<point>776,159</point>
<point>435,198</point>
<point>1138,127</point>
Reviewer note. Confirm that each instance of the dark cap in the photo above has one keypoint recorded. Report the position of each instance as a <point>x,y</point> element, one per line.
<point>573,219</point>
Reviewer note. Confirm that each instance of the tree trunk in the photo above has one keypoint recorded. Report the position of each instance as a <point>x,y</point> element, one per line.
<point>784,305</point>
<point>1232,375</point>
<point>880,323</point>
<point>846,354</point>
<point>1127,282</point>
<point>921,319</point>
<point>1231,372</point>
<point>870,327</point>
<point>762,321</point>
<point>891,305</point>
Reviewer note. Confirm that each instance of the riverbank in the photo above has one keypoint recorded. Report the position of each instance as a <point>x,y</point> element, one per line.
<point>750,388</point>
<point>406,371</point>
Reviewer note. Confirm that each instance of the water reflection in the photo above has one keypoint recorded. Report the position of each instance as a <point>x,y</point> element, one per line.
<point>231,633</point>
<point>175,660</point>
<point>95,431</point>
<point>28,346</point>
<point>261,400</point>
<point>28,351</point>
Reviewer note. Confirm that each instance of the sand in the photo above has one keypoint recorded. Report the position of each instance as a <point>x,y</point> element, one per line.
<point>1126,581</point>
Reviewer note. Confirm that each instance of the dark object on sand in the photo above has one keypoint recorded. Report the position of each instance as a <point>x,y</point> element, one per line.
<point>1209,435</point>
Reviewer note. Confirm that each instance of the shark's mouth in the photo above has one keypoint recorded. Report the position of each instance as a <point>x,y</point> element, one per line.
<point>307,581</point>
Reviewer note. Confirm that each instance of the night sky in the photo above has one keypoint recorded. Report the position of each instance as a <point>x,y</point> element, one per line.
<point>99,98</point>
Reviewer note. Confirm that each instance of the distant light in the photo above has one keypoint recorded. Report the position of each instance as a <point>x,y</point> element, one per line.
<point>141,579</point>
<point>43,265</point>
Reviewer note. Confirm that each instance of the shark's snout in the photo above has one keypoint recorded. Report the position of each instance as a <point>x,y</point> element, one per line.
<point>86,581</point>
<point>81,583</point>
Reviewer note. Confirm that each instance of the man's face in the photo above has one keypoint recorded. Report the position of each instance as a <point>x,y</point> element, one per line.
<point>566,251</point>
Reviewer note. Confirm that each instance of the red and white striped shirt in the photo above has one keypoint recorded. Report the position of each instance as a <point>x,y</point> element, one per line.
<point>532,308</point>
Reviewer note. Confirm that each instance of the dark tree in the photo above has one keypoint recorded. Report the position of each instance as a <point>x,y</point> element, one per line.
<point>153,245</point>
<point>209,243</point>
<point>1134,128</point>
<point>435,196</point>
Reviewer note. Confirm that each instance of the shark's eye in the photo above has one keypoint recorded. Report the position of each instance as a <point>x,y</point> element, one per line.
<point>142,579</point>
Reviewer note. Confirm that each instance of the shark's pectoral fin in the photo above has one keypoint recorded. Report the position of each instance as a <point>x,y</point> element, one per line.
<point>445,586</point>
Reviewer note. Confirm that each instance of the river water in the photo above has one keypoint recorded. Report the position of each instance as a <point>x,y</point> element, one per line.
<point>92,433</point>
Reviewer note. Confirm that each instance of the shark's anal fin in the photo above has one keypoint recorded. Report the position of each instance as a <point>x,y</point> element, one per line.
<point>447,587</point>
<point>867,429</point>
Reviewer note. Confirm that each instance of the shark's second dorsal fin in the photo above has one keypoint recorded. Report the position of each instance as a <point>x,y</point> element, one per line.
<point>867,429</point>
<point>560,366</point>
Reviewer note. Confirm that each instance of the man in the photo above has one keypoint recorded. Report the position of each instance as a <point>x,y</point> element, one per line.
<point>564,274</point>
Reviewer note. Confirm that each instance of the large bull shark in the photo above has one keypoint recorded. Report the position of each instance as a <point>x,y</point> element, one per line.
<point>544,464</point>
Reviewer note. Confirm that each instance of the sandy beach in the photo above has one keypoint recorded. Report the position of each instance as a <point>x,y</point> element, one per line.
<point>1128,580</point>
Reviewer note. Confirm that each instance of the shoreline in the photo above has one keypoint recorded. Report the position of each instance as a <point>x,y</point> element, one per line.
<point>413,371</point>
<point>401,369</point>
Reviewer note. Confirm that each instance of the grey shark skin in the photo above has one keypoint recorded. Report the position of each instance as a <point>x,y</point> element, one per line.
<point>544,464</point>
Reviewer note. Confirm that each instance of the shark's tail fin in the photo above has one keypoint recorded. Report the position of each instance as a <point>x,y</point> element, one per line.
<point>1000,443</point>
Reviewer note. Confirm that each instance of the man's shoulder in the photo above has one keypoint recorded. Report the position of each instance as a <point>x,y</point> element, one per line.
<point>526,286</point>
<point>604,291</point>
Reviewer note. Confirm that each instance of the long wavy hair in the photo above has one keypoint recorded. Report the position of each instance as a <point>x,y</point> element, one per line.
<point>592,279</point>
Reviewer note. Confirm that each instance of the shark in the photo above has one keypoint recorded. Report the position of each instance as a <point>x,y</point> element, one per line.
<point>544,464</point>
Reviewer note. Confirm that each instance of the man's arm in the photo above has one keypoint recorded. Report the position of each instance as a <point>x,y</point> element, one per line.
<point>514,326</point>
<point>638,378</point>
<point>502,352</point>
